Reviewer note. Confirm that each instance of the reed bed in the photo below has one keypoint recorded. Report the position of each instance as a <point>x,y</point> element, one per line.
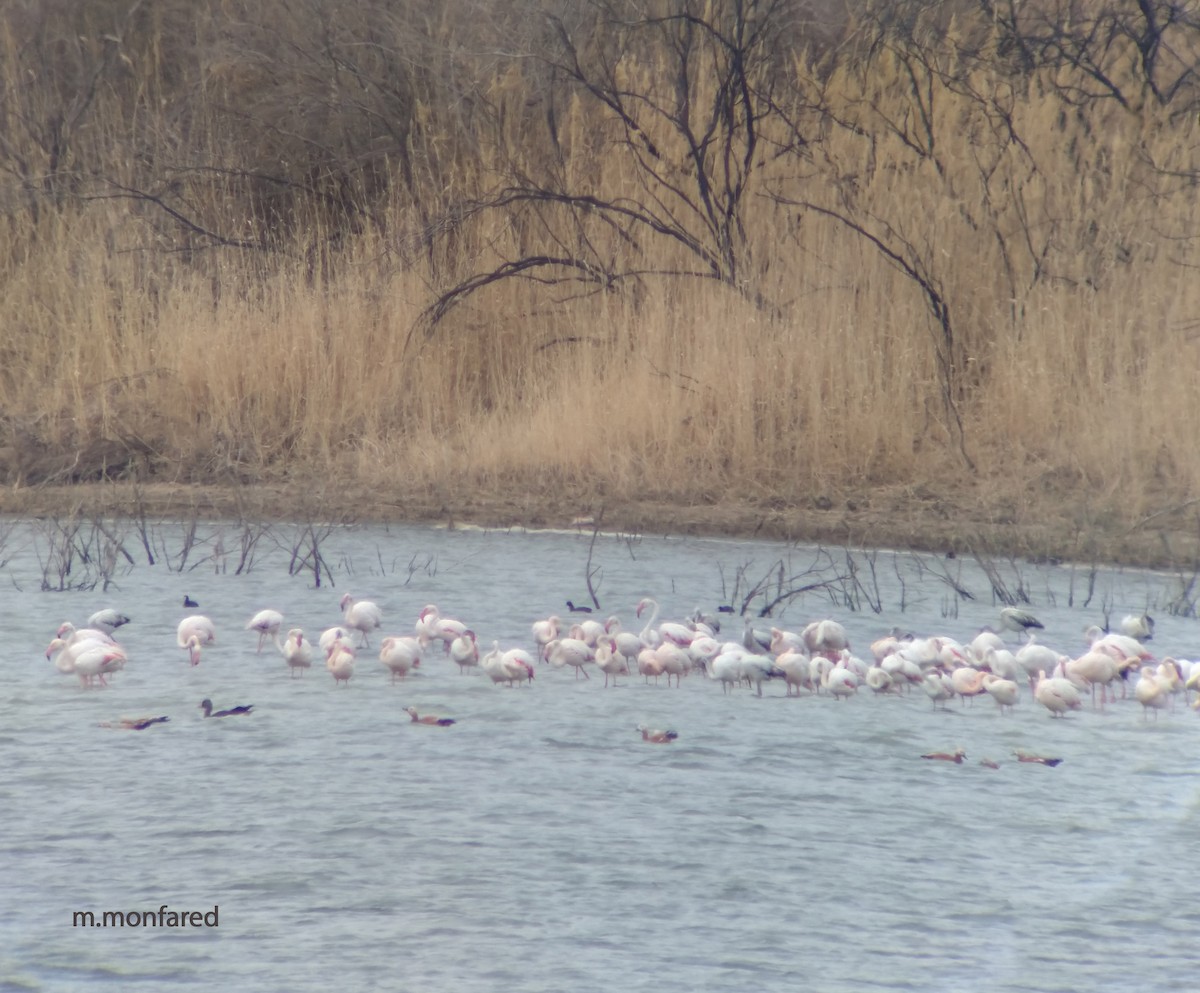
<point>298,345</point>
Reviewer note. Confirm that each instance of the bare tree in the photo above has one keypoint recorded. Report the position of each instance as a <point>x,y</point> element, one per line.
<point>679,91</point>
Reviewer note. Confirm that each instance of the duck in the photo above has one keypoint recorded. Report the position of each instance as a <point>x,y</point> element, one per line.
<point>443,722</point>
<point>578,608</point>
<point>955,756</point>
<point>189,603</point>
<point>657,737</point>
<point>207,706</point>
<point>1024,756</point>
<point>133,723</point>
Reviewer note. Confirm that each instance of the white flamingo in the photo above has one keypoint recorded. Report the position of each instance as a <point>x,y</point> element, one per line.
<point>267,623</point>
<point>464,650</point>
<point>400,655</point>
<point>340,662</point>
<point>297,652</point>
<point>363,616</point>
<point>193,633</point>
<point>570,651</point>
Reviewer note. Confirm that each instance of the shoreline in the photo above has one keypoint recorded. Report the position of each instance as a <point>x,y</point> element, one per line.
<point>903,519</point>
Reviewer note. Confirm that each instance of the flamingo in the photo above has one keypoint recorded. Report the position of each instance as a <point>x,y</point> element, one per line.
<point>400,654</point>
<point>937,687</point>
<point>1092,669</point>
<point>464,650</point>
<point>841,682</point>
<point>519,664</point>
<point>297,652</point>
<point>967,682</point>
<point>677,634</point>
<point>431,625</point>
<point>656,737</point>
<point>200,628</point>
<point>340,662</point>
<point>95,660</point>
<point>675,660</point>
<point>207,706</point>
<point>726,668</point>
<point>610,661</point>
<point>1004,691</point>
<point>545,632</point>
<point>267,623</point>
<point>66,652</point>
<point>757,669</point>
<point>444,722</point>
<point>107,620</point>
<point>570,651</point>
<point>649,664</point>
<point>879,680</point>
<point>985,641</point>
<point>507,667</point>
<point>796,671</point>
<point>363,616</point>
<point>331,635</point>
<point>1057,695</point>
<point>782,641</point>
<point>825,637</point>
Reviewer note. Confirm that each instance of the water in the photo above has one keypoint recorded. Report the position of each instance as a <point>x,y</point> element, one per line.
<point>538,844</point>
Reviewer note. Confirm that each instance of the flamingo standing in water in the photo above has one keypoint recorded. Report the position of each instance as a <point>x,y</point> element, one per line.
<point>97,659</point>
<point>193,633</point>
<point>297,651</point>
<point>363,616</point>
<point>572,651</point>
<point>545,632</point>
<point>677,634</point>
<point>432,625</point>
<point>609,661</point>
<point>340,662</point>
<point>464,650</point>
<point>267,623</point>
<point>1057,695</point>
<point>400,655</point>
<point>826,638</point>
<point>1004,691</point>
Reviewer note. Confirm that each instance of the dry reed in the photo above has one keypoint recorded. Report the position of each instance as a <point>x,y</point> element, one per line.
<point>1065,258</point>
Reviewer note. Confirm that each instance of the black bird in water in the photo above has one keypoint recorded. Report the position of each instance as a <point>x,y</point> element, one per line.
<point>578,610</point>
<point>189,602</point>
<point>206,706</point>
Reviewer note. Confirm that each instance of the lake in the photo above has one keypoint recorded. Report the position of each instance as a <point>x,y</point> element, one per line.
<point>538,844</point>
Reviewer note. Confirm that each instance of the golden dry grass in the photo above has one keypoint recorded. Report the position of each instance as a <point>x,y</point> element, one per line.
<point>1068,265</point>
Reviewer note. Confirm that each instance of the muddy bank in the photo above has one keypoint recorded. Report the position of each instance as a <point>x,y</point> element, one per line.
<point>903,517</point>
